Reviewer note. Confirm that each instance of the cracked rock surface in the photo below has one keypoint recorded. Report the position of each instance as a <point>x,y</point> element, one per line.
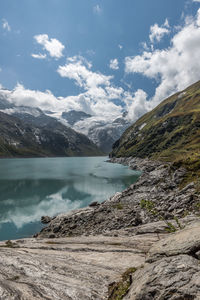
<point>78,268</point>
<point>175,278</point>
<point>172,268</point>
<point>183,242</point>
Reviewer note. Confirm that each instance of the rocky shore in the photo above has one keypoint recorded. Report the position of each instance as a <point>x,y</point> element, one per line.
<point>141,244</point>
<point>158,186</point>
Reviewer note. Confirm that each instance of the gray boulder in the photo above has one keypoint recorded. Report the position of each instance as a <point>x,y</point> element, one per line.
<point>172,268</point>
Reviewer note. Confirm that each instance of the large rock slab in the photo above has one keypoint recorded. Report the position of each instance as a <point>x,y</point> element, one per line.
<point>186,241</point>
<point>68,268</point>
<point>174,278</point>
<point>172,268</point>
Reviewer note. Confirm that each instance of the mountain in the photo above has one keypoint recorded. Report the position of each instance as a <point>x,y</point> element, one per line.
<point>105,134</point>
<point>102,132</point>
<point>170,132</point>
<point>99,130</point>
<point>74,116</point>
<point>28,137</point>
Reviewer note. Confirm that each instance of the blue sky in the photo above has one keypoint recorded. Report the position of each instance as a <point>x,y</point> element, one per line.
<point>94,54</point>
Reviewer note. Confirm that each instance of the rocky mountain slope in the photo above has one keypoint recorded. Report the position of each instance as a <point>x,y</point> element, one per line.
<point>99,130</point>
<point>170,132</point>
<point>74,116</point>
<point>102,132</point>
<point>23,135</point>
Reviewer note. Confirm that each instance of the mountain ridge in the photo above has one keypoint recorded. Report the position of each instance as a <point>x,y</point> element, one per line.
<point>170,132</point>
<point>29,139</point>
<point>98,129</point>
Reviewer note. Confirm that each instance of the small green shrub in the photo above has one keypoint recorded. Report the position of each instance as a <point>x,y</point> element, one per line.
<point>117,290</point>
<point>178,223</point>
<point>118,206</point>
<point>150,207</point>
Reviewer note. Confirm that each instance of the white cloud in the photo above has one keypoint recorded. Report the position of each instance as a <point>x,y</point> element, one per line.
<point>97,9</point>
<point>114,64</point>
<point>98,89</point>
<point>39,56</point>
<point>196,0</point>
<point>120,47</point>
<point>53,46</point>
<point>166,24</point>
<point>136,104</point>
<point>5,25</point>
<point>145,46</point>
<point>175,67</point>
<point>157,33</point>
<point>21,96</point>
<point>78,69</point>
<point>96,101</point>
<point>96,98</point>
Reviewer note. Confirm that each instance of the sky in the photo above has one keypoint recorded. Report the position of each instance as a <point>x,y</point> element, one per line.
<point>100,56</point>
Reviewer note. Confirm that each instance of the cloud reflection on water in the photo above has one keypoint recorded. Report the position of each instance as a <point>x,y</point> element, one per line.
<point>61,186</point>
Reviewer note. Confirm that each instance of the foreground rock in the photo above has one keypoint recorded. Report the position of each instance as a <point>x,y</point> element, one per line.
<point>68,268</point>
<point>175,271</point>
<point>186,241</point>
<point>167,266</point>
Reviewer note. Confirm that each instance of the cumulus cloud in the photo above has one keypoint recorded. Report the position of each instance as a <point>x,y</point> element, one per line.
<point>95,101</point>
<point>79,69</point>
<point>39,56</point>
<point>51,45</point>
<point>175,67</point>
<point>196,0</point>
<point>96,98</point>
<point>136,104</point>
<point>98,90</point>
<point>114,64</point>
<point>5,25</point>
<point>158,32</point>
<point>33,98</point>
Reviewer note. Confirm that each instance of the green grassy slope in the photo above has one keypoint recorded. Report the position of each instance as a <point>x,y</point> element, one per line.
<point>170,132</point>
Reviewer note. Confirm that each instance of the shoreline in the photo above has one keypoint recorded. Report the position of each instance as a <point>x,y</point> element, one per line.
<point>157,185</point>
<point>27,157</point>
<point>114,250</point>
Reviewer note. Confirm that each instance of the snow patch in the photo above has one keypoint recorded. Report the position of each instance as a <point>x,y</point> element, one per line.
<point>142,126</point>
<point>181,95</point>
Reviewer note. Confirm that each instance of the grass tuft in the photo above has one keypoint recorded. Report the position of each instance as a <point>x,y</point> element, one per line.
<point>117,290</point>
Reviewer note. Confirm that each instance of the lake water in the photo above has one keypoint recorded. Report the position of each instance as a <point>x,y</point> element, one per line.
<point>31,188</point>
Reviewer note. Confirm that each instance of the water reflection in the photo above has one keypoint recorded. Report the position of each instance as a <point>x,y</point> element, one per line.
<point>33,187</point>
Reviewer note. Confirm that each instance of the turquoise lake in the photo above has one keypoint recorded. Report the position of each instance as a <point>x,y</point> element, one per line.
<point>31,188</point>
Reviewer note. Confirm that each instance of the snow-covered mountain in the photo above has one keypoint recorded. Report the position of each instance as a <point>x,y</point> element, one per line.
<point>98,129</point>
<point>28,132</point>
<point>102,132</point>
<point>74,116</point>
